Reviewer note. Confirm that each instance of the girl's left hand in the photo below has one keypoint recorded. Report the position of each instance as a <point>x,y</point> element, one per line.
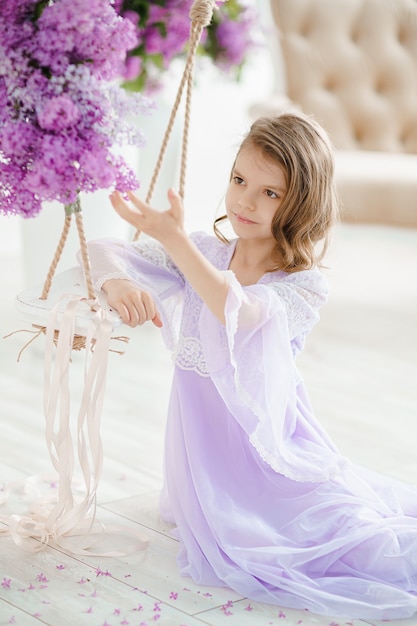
<point>161,225</point>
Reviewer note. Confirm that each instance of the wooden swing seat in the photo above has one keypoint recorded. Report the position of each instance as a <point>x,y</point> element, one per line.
<point>31,308</point>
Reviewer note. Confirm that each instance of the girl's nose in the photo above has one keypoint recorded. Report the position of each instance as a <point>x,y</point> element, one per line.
<point>247,201</point>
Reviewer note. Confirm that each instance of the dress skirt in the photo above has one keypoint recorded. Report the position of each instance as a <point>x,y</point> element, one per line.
<point>346,546</point>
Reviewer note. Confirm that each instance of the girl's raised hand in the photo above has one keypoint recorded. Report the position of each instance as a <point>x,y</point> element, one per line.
<point>161,225</point>
<point>167,227</point>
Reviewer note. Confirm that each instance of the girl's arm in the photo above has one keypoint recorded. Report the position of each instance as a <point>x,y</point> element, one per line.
<point>168,228</point>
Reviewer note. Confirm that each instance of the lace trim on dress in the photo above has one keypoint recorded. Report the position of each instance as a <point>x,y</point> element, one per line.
<point>154,253</point>
<point>314,475</point>
<point>301,306</point>
<point>119,275</point>
<point>189,356</point>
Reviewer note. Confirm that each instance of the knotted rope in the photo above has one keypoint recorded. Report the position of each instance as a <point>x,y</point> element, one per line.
<point>201,14</point>
<point>70,210</point>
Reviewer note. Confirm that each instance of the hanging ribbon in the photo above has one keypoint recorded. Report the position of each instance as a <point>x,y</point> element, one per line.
<point>66,521</point>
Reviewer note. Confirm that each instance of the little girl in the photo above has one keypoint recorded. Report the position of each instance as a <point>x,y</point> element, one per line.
<point>261,498</point>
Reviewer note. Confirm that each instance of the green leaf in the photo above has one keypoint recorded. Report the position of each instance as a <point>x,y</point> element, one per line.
<point>138,84</point>
<point>157,60</point>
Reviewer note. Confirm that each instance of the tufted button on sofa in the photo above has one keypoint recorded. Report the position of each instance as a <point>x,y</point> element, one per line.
<point>353,65</point>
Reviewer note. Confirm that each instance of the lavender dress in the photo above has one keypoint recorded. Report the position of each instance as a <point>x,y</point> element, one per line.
<point>262,500</point>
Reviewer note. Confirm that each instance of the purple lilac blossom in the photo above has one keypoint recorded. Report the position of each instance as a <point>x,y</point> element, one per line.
<point>233,41</point>
<point>61,109</point>
<point>58,113</point>
<point>168,30</point>
<point>163,33</point>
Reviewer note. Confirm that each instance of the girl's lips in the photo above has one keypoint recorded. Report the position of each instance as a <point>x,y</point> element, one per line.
<point>242,219</point>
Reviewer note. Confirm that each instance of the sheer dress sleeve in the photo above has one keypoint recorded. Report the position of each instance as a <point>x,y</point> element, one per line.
<point>147,265</point>
<point>252,363</point>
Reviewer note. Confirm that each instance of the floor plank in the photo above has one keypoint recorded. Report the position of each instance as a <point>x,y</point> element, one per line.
<point>62,591</point>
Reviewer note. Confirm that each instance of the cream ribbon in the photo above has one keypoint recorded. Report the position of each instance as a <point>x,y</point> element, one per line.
<point>64,520</point>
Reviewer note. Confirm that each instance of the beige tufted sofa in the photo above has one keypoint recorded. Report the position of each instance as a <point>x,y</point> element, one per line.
<point>353,65</point>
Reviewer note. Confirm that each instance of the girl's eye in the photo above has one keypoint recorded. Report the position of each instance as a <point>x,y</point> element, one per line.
<point>238,180</point>
<point>271,194</point>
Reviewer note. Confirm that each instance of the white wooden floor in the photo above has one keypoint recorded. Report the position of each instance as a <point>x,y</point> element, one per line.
<point>360,365</point>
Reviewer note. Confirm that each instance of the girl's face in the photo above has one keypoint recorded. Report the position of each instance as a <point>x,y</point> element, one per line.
<point>256,190</point>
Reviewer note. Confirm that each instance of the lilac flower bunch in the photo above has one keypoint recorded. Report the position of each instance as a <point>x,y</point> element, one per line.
<point>61,109</point>
<point>163,28</point>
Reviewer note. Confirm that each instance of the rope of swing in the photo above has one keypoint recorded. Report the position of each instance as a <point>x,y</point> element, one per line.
<point>200,15</point>
<point>70,210</point>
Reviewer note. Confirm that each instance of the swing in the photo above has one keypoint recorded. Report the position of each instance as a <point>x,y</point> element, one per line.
<point>73,317</point>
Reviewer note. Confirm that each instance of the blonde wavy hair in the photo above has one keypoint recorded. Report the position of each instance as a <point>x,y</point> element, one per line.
<point>310,206</point>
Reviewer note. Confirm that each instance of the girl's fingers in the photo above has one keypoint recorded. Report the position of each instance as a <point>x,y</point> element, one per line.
<point>123,311</point>
<point>134,306</point>
<point>139,312</point>
<point>142,206</point>
<point>128,313</point>
<point>176,202</point>
<point>174,197</point>
<point>132,311</point>
<point>151,310</point>
<point>142,309</point>
<point>149,306</point>
<point>157,321</point>
<point>128,213</point>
